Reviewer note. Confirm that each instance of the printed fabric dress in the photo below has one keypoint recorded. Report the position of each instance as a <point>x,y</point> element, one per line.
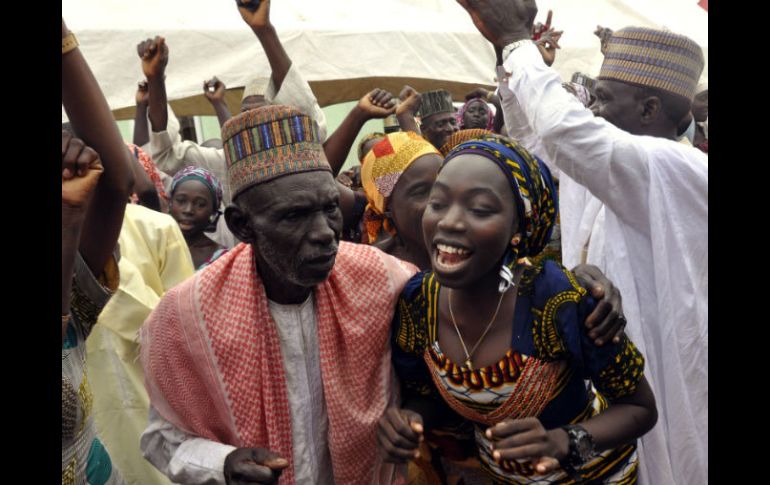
<point>552,371</point>
<point>85,461</point>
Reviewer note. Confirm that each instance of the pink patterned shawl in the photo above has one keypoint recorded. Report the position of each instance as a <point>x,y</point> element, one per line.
<point>213,367</point>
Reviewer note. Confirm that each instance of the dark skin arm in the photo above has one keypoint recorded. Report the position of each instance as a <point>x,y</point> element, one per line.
<point>259,21</point>
<point>547,45</point>
<point>399,434</point>
<point>141,130</point>
<point>81,170</point>
<point>546,39</point>
<point>606,321</point>
<point>246,466</point>
<point>400,431</point>
<point>154,55</point>
<point>526,439</point>
<point>407,109</point>
<point>92,120</point>
<point>377,103</point>
<point>214,90</point>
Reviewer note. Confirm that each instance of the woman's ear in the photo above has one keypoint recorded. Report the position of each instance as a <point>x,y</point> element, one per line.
<point>239,224</point>
<point>516,239</point>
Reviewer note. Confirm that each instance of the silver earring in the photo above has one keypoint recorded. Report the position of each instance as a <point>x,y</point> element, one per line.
<point>506,279</point>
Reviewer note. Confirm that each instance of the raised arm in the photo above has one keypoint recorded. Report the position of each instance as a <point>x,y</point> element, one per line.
<point>93,122</point>
<point>377,103</point>
<point>81,169</point>
<point>141,129</point>
<point>214,90</point>
<point>259,21</point>
<point>407,109</point>
<point>154,55</point>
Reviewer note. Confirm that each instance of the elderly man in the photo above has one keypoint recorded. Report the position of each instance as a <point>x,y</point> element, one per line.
<point>274,360</point>
<point>655,194</point>
<point>437,117</point>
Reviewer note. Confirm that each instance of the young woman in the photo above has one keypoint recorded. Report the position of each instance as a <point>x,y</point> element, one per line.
<point>195,198</point>
<point>495,354</point>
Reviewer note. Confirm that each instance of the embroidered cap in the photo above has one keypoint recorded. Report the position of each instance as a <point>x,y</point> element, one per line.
<point>653,58</point>
<point>268,142</point>
<point>433,102</point>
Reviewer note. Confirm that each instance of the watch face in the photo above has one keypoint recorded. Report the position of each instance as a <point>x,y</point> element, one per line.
<point>584,445</point>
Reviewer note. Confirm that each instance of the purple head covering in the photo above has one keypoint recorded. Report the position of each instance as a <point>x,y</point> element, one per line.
<point>490,117</point>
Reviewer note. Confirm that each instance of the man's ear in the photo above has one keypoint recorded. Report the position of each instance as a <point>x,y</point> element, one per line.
<point>652,108</point>
<point>239,224</point>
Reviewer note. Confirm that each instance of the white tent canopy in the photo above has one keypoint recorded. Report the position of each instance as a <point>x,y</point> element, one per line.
<point>343,47</point>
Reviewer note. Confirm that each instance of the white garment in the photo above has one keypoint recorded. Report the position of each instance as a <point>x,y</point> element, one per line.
<point>170,153</point>
<point>187,459</point>
<point>298,333</point>
<point>655,193</point>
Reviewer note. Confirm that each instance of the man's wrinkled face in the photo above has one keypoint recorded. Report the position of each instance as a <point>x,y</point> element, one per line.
<point>437,128</point>
<point>297,223</point>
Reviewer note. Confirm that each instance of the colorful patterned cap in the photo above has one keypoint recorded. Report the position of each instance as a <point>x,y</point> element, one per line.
<point>433,102</point>
<point>653,58</point>
<point>461,137</point>
<point>268,142</point>
<point>381,169</point>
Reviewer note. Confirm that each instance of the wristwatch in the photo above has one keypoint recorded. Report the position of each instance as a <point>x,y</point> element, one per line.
<point>514,45</point>
<point>581,450</point>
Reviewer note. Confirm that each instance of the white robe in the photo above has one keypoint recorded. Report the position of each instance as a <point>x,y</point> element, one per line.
<point>199,461</point>
<point>655,249</point>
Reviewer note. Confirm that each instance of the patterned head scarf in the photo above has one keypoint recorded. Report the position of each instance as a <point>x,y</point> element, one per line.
<point>202,175</point>
<point>266,143</point>
<point>533,192</point>
<point>653,58</point>
<point>150,169</point>
<point>462,136</point>
<point>380,171</point>
<point>490,117</point>
<point>364,141</point>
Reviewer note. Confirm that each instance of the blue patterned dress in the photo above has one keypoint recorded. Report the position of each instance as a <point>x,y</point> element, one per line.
<point>552,371</point>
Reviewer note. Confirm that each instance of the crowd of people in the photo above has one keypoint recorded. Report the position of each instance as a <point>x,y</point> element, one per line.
<point>512,292</point>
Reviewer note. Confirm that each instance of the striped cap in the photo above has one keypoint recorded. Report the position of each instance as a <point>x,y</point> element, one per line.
<point>653,58</point>
<point>268,142</point>
<point>432,102</point>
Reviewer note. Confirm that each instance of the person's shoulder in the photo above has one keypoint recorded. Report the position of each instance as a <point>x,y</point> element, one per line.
<point>673,156</point>
<point>149,218</point>
<point>363,257</point>
<point>156,229</point>
<point>417,285</point>
<point>550,281</point>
